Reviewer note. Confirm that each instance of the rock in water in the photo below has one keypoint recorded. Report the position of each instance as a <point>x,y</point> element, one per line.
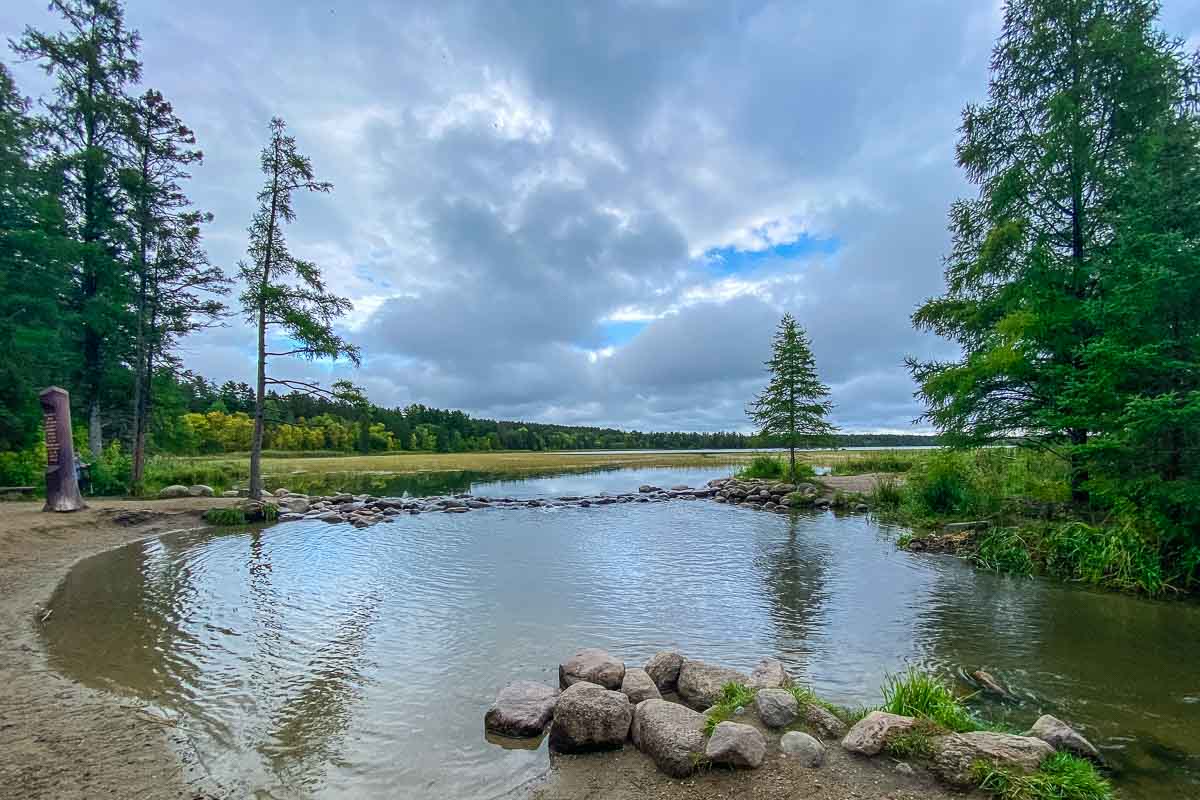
<point>777,708</point>
<point>736,744</point>
<point>700,684</point>
<point>671,734</point>
<point>823,722</point>
<point>638,686</point>
<point>522,709</point>
<point>956,754</point>
<point>1061,736</point>
<point>589,717</point>
<point>872,732</point>
<point>807,750</point>
<point>663,669</point>
<point>593,666</point>
<point>989,683</point>
<point>769,674</point>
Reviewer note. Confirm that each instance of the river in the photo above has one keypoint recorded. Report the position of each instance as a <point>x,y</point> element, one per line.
<point>317,660</point>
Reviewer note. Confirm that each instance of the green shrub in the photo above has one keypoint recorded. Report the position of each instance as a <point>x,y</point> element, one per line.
<point>918,694</point>
<point>111,473</point>
<point>887,494</point>
<point>1060,777</point>
<point>24,467</point>
<point>767,467</point>
<point>941,484</point>
<point>882,461</point>
<point>225,516</point>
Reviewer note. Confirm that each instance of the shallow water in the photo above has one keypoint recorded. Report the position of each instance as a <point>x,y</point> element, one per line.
<point>318,660</point>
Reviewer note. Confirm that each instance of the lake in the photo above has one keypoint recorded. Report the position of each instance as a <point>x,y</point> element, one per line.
<point>318,660</point>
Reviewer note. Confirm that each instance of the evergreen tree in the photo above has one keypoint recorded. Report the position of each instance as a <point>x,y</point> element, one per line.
<point>288,293</point>
<point>795,404</point>
<point>94,61</point>
<point>1077,86</point>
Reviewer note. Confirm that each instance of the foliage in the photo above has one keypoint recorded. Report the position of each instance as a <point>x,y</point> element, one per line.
<point>1060,777</point>
<point>887,494</point>
<point>767,467</point>
<point>24,467</point>
<point>225,516</point>
<point>888,461</point>
<point>918,694</point>
<point>795,404</point>
<point>733,696</point>
<point>916,742</point>
<point>111,472</point>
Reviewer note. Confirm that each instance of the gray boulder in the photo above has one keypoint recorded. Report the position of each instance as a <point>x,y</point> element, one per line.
<point>172,491</point>
<point>956,754</point>
<point>663,669</point>
<point>737,745</point>
<point>671,734</point>
<point>1061,736</point>
<point>804,748</point>
<point>522,709</point>
<point>769,674</point>
<point>871,733</point>
<point>200,490</point>
<point>230,493</point>
<point>823,721</point>
<point>589,717</point>
<point>777,708</point>
<point>638,686</point>
<point>592,665</point>
<point>700,683</point>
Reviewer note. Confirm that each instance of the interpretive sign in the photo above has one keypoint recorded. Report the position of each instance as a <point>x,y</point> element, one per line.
<point>62,482</point>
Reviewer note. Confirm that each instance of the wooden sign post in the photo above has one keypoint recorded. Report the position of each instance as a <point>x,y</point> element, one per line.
<point>62,484</point>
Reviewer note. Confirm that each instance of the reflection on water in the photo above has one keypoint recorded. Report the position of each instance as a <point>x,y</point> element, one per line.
<point>318,660</point>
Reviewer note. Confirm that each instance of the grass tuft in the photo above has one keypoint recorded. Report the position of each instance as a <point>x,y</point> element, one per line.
<point>1060,777</point>
<point>733,696</point>
<point>916,742</point>
<point>918,694</point>
<point>225,516</point>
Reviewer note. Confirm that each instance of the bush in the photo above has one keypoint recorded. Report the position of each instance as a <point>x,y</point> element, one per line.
<point>887,493</point>
<point>225,516</point>
<point>917,694</point>
<point>1060,777</point>
<point>765,467</point>
<point>885,461</point>
<point>111,473</point>
<point>941,484</point>
<point>24,467</point>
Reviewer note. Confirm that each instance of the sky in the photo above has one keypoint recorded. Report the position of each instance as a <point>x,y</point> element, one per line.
<point>590,213</point>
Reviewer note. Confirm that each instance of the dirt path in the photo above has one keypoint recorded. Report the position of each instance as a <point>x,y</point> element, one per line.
<point>59,739</point>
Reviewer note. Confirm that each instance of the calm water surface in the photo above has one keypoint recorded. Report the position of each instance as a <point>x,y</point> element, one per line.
<point>318,660</point>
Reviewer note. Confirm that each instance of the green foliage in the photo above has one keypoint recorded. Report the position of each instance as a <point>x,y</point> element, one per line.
<point>110,473</point>
<point>887,494</point>
<point>225,516</point>
<point>733,696</point>
<point>766,467</point>
<point>24,467</point>
<point>804,696</point>
<point>918,694</point>
<point>888,461</point>
<point>1060,777</point>
<point>916,742</point>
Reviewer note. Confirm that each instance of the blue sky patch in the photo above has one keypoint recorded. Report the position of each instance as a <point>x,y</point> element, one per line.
<point>617,333</point>
<point>730,260</point>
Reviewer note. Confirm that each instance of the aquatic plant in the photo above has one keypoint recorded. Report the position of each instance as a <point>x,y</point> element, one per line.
<point>1060,777</point>
<point>919,694</point>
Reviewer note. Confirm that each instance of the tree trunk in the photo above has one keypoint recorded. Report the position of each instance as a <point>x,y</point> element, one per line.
<point>1079,471</point>
<point>95,436</point>
<point>256,443</point>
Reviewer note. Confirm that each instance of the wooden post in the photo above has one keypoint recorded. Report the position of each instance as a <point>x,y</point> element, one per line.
<point>62,485</point>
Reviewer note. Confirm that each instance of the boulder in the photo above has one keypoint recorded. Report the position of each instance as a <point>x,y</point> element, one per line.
<point>230,493</point>
<point>823,721</point>
<point>200,490</point>
<point>700,683</point>
<point>956,754</point>
<point>769,674</point>
<point>663,669</point>
<point>1061,736</point>
<point>737,745</point>
<point>871,733</point>
<point>589,717</point>
<point>638,686</point>
<point>522,709</point>
<point>804,748</point>
<point>172,491</point>
<point>777,708</point>
<point>592,665</point>
<point>989,684</point>
<point>671,734</point>
<point>294,504</point>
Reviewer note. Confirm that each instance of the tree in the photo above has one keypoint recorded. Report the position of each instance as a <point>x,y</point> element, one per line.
<point>94,60</point>
<point>174,282</point>
<point>1077,86</point>
<point>288,293</point>
<point>795,403</point>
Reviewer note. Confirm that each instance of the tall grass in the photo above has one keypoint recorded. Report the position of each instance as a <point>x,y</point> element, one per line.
<point>1060,777</point>
<point>880,461</point>
<point>918,694</point>
<point>765,467</point>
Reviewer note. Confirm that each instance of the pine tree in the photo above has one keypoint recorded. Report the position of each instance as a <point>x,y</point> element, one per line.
<point>94,61</point>
<point>795,404</point>
<point>1077,86</point>
<point>288,293</point>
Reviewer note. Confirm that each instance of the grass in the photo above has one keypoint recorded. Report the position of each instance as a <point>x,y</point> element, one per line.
<point>918,694</point>
<point>766,467</point>
<point>916,742</point>
<point>225,516</point>
<point>878,461</point>
<point>805,696</point>
<point>733,696</point>
<point>887,493</point>
<point>1060,777</point>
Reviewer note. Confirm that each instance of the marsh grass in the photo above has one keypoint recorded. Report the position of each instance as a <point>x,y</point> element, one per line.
<point>768,467</point>
<point>879,461</point>
<point>225,516</point>
<point>918,694</point>
<point>1060,777</point>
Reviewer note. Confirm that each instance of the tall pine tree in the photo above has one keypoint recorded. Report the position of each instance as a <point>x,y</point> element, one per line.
<point>795,405</point>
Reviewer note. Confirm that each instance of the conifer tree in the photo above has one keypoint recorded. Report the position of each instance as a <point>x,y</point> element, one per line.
<point>287,293</point>
<point>795,404</point>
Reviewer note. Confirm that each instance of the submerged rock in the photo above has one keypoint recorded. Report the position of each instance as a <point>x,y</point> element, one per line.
<point>671,734</point>
<point>593,665</point>
<point>638,686</point>
<point>700,683</point>
<point>589,717</point>
<point>737,745</point>
<point>806,749</point>
<point>989,683</point>
<point>872,732</point>
<point>956,754</point>
<point>663,669</point>
<point>1061,736</point>
<point>777,708</point>
<point>522,709</point>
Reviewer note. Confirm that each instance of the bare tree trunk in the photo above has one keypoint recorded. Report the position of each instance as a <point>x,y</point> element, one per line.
<point>256,443</point>
<point>95,436</point>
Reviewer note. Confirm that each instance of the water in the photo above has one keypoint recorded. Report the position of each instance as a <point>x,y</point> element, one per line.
<point>317,660</point>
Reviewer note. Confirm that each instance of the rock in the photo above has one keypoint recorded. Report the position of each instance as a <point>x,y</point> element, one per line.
<point>230,493</point>
<point>872,732</point>
<point>1061,736</point>
<point>861,507</point>
<point>700,683</point>
<point>522,709</point>
<point>957,753</point>
<point>989,683</point>
<point>663,669</point>
<point>769,674</point>
<point>589,717</point>
<point>593,665</point>
<point>290,517</point>
<point>294,505</point>
<point>173,491</point>
<point>647,488</point>
<point>807,750</point>
<point>905,769</point>
<point>638,686</point>
<point>777,708</point>
<point>671,734</point>
<point>683,487</point>
<point>823,722</point>
<point>736,744</point>
<point>330,516</point>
